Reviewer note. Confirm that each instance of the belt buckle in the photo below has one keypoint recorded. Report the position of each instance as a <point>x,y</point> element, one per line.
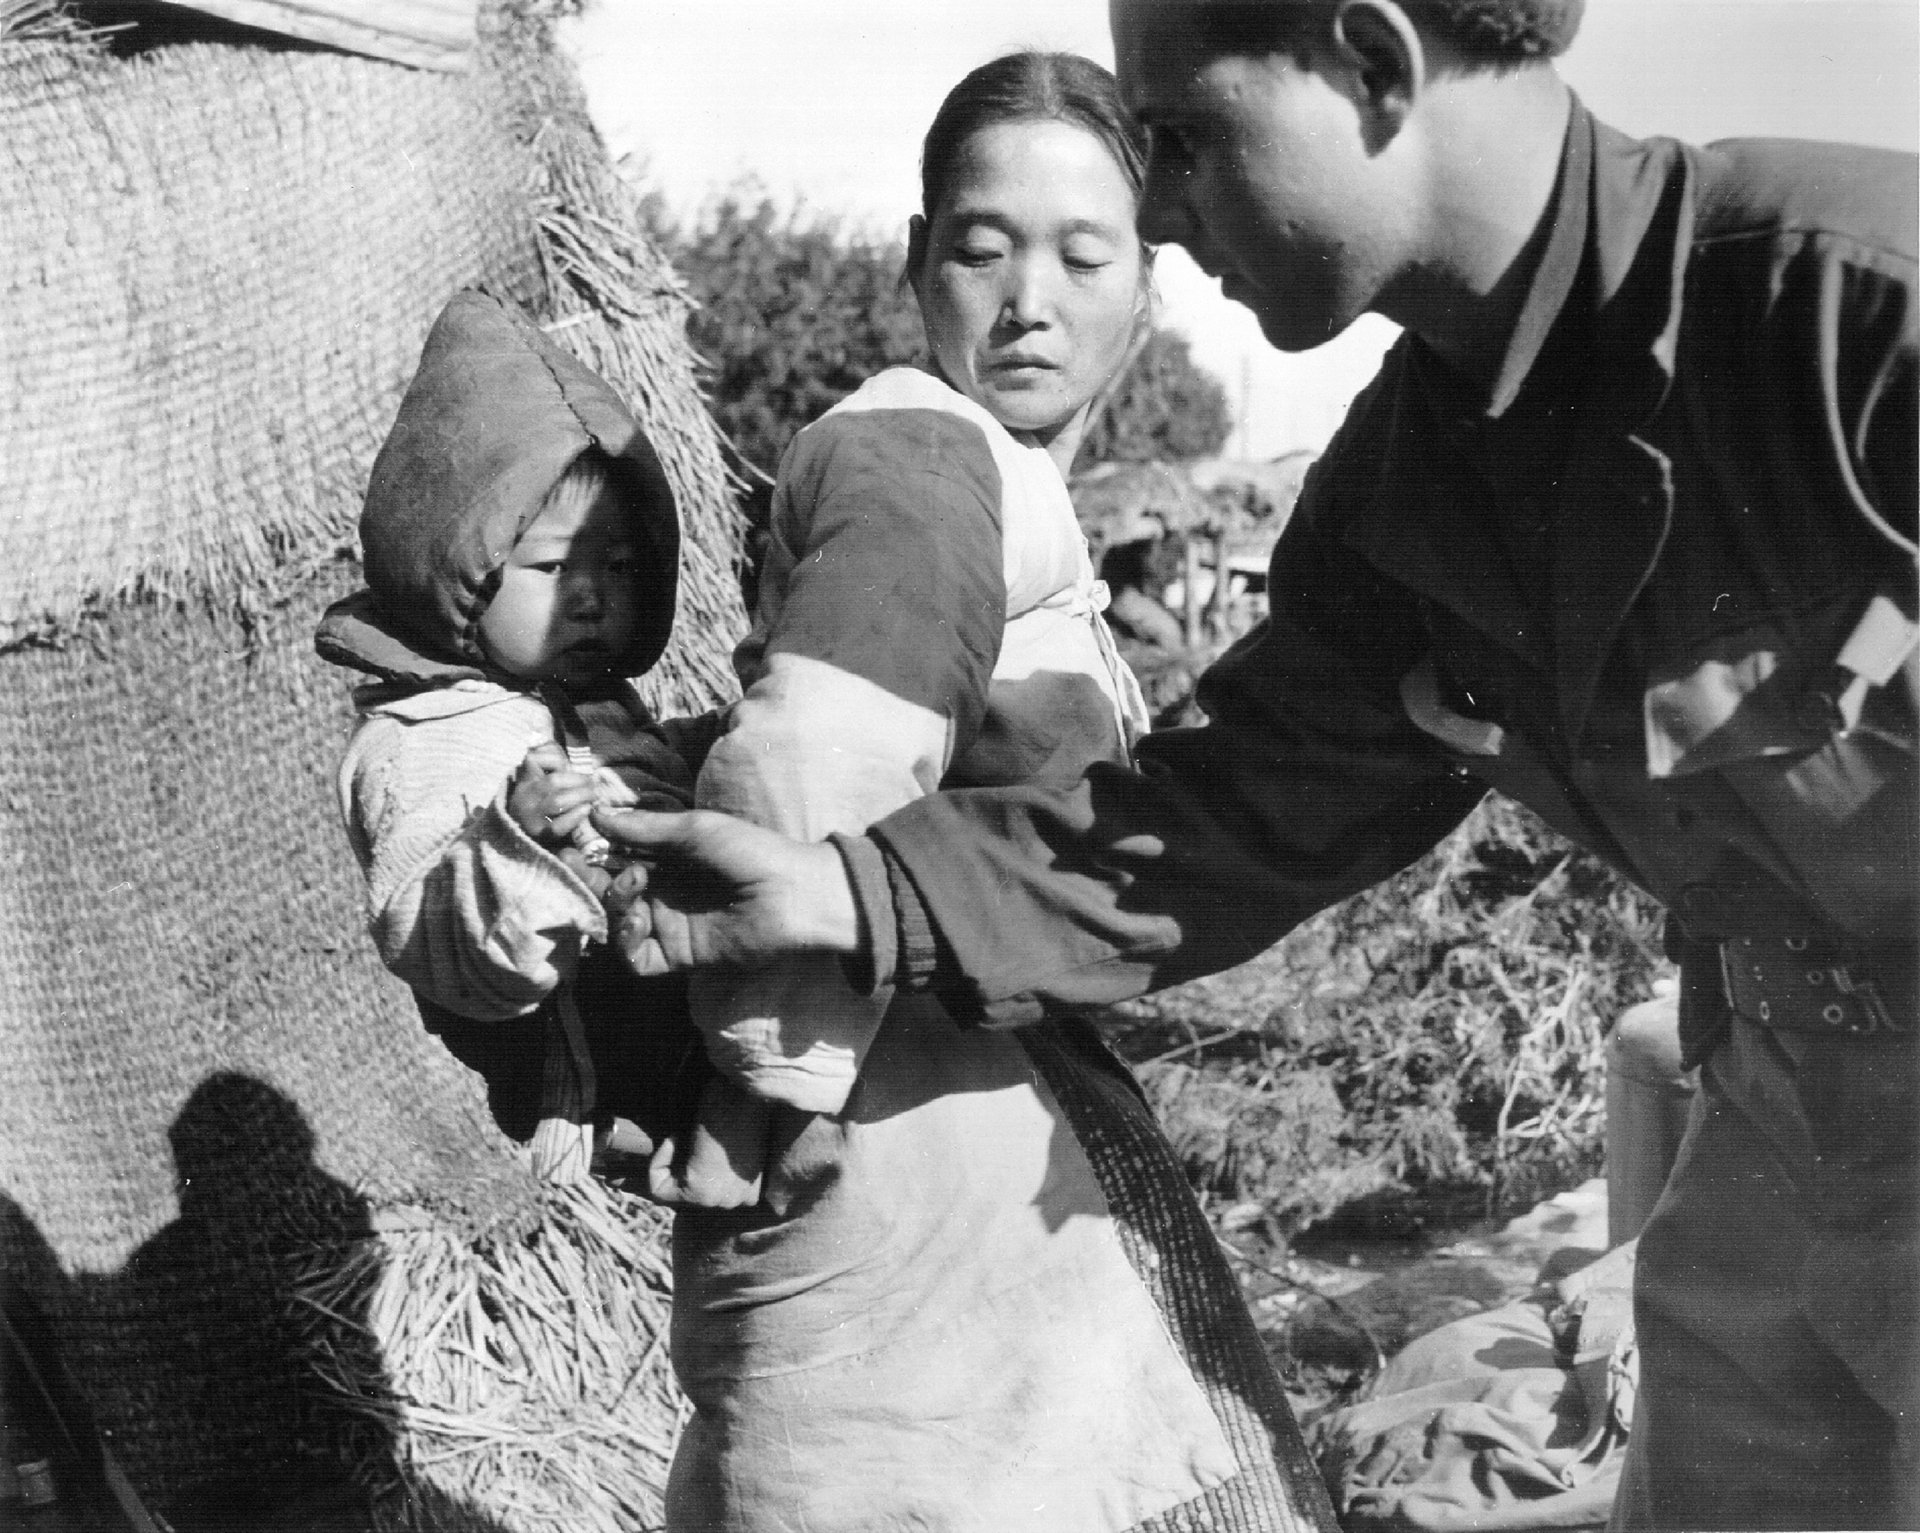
<point>1880,1017</point>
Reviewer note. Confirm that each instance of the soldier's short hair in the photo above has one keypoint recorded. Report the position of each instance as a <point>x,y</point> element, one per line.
<point>1495,32</point>
<point>1505,29</point>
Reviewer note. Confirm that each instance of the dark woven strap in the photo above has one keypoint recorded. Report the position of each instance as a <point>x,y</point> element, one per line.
<point>1177,1258</point>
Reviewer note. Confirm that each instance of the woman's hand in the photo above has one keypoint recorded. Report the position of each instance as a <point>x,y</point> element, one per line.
<point>705,889</point>
<point>548,799</point>
<point>721,1164</point>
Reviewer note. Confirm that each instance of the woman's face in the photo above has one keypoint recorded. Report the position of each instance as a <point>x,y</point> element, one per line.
<point>1030,277</point>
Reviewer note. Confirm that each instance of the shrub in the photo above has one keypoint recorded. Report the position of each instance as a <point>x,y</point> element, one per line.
<point>1166,408</point>
<point>796,311</point>
<point>794,314</point>
<point>1436,1035</point>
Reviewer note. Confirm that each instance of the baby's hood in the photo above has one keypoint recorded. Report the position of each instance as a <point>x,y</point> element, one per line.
<point>494,417</point>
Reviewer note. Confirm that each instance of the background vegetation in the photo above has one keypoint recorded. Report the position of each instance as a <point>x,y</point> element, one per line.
<point>796,312</point>
<point>1431,1049</point>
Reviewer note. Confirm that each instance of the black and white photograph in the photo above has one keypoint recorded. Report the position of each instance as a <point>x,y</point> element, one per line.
<point>1030,766</point>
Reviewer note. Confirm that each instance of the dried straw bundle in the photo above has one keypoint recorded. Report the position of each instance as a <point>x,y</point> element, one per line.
<point>221,262</point>
<point>495,1416</point>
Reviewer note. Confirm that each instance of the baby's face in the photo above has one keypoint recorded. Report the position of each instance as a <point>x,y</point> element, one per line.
<point>568,601</point>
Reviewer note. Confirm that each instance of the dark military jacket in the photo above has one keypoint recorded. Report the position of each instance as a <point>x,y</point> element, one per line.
<point>1660,587</point>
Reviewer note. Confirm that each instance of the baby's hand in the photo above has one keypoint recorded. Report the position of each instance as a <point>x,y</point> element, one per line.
<point>548,798</point>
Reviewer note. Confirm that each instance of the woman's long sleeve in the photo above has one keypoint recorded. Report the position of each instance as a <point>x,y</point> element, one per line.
<point>883,602</point>
<point>462,904</point>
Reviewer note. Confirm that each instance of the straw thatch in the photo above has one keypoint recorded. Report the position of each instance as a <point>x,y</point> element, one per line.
<point>523,1380</point>
<point>215,1110</point>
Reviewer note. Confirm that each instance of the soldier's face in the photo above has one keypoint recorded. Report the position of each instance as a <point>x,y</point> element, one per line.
<point>1260,169</point>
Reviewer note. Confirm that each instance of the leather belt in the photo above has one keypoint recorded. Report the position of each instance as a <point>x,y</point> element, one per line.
<point>1804,983</point>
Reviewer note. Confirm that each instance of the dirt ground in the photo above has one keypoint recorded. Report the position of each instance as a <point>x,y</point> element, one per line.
<point>1339,1301</point>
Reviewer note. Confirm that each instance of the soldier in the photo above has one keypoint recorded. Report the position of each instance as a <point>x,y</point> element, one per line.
<point>1625,529</point>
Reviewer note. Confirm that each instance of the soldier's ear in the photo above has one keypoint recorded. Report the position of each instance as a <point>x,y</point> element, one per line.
<point>1378,42</point>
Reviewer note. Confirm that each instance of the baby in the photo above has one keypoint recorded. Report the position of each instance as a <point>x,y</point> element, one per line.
<point>522,550</point>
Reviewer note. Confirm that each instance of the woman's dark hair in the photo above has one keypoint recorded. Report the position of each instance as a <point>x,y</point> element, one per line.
<point>1030,87</point>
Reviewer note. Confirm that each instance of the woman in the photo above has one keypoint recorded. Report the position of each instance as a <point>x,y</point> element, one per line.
<point>977,1292</point>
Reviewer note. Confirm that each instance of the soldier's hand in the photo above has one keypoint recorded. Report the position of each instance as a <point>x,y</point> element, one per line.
<point>705,889</point>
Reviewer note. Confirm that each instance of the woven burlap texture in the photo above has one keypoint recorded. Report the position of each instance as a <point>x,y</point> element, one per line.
<point>219,266</point>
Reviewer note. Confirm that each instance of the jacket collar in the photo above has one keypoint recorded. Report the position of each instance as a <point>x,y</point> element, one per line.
<point>1422,525</point>
<point>1616,498</point>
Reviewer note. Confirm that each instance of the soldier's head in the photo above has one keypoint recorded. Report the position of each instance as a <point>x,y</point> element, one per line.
<point>1303,150</point>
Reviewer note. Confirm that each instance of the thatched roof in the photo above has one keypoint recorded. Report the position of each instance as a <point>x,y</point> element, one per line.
<point>1132,502</point>
<point>1128,502</point>
<point>1260,491</point>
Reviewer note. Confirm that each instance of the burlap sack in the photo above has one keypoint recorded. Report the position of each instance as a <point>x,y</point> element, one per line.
<point>268,1218</point>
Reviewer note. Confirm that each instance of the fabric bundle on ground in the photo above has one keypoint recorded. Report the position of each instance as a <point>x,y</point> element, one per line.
<point>273,1231</point>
